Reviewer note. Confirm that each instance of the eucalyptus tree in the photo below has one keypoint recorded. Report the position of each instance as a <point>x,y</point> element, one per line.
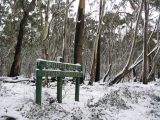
<point>111,51</point>
<point>89,37</point>
<point>65,36</point>
<point>125,69</point>
<point>155,37</point>
<point>95,70</point>
<point>15,69</point>
<point>9,21</point>
<point>144,30</point>
<point>79,34</point>
<point>2,46</point>
<point>145,47</point>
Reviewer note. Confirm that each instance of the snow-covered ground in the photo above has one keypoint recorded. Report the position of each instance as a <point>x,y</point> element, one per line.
<point>124,101</point>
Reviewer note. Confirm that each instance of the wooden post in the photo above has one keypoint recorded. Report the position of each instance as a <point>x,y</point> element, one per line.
<point>59,90</point>
<point>59,83</point>
<point>38,86</point>
<point>77,89</point>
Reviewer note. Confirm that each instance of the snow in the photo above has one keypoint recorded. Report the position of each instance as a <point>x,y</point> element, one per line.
<point>124,101</point>
<point>49,61</point>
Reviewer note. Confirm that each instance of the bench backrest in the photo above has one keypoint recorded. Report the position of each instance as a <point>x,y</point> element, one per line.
<point>58,69</point>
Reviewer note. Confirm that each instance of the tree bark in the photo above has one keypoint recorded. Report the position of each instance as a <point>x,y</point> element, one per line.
<point>158,67</point>
<point>151,75</point>
<point>65,39</point>
<point>104,79</point>
<point>145,48</point>
<point>15,69</point>
<point>132,4</point>
<point>79,34</point>
<point>97,75</point>
<point>95,68</point>
<point>45,34</point>
<point>134,75</point>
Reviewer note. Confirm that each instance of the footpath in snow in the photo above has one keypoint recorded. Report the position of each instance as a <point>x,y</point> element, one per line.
<point>124,101</point>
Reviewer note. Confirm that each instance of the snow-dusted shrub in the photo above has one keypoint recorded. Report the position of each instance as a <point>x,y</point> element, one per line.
<point>77,114</point>
<point>3,90</point>
<point>154,97</point>
<point>99,114</point>
<point>130,95</point>
<point>113,99</point>
<point>45,112</point>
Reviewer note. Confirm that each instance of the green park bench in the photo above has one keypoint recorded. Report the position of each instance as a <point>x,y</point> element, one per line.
<point>59,70</point>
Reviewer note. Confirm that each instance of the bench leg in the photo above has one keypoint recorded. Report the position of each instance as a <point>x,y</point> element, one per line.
<point>59,90</point>
<point>77,89</point>
<point>38,88</point>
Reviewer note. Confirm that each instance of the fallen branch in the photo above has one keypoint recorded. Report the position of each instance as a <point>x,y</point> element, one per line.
<point>124,72</point>
<point>15,81</point>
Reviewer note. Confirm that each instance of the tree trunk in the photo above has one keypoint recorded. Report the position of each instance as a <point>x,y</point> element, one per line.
<point>15,69</point>
<point>158,68</point>
<point>65,39</point>
<point>132,4</point>
<point>151,75</point>
<point>134,75</point>
<point>109,69</point>
<point>95,68</point>
<point>145,48</point>
<point>45,34</point>
<point>79,34</point>
<point>158,41</point>
<point>97,75</point>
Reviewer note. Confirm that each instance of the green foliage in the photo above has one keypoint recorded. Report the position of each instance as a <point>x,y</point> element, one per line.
<point>155,3</point>
<point>112,20</point>
<point>90,32</point>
